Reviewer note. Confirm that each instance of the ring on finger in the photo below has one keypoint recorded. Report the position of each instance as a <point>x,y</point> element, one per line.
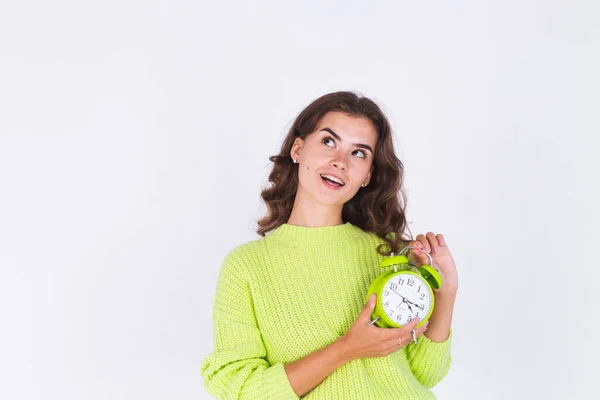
<point>414,336</point>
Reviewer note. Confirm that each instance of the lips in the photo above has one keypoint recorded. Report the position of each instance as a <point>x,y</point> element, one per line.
<point>333,179</point>
<point>329,182</point>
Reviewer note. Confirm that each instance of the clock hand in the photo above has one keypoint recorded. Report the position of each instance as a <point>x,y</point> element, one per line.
<point>408,301</point>
<point>397,293</point>
<point>404,298</point>
<point>414,304</point>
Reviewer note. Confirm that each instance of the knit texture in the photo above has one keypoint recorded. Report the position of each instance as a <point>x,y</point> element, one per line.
<point>284,296</point>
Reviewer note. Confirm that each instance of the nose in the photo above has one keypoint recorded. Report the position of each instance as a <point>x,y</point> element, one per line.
<point>339,162</point>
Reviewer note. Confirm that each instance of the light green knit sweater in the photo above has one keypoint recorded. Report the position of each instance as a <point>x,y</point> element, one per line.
<point>284,296</point>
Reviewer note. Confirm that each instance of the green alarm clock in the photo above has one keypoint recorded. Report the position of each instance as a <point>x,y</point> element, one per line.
<point>404,291</point>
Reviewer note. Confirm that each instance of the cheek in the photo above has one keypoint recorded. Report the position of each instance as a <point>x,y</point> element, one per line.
<point>312,163</point>
<point>360,169</point>
<point>305,174</point>
<point>307,171</point>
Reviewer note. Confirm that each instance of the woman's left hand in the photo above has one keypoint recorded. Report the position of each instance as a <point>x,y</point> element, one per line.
<point>439,251</point>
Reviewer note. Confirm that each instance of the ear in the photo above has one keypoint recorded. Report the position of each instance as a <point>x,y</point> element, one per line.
<point>368,178</point>
<point>296,149</point>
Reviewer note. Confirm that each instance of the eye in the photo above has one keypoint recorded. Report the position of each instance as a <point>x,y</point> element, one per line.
<point>328,139</point>
<point>364,155</point>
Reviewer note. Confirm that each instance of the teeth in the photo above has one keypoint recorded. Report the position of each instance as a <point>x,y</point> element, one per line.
<point>333,178</point>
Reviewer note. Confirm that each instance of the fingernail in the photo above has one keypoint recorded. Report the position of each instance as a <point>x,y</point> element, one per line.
<point>372,298</point>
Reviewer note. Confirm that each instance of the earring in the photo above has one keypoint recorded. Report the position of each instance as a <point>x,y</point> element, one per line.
<point>294,160</point>
<point>364,184</point>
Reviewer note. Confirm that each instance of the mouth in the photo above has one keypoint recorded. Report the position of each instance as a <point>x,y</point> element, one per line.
<point>332,180</point>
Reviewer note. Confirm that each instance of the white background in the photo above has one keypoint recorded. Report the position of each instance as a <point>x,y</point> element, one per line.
<point>134,142</point>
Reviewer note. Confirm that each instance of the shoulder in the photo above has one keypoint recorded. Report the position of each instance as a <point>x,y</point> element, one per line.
<point>372,237</point>
<point>243,256</point>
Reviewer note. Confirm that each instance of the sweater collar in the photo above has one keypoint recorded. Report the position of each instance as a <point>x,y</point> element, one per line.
<point>317,236</point>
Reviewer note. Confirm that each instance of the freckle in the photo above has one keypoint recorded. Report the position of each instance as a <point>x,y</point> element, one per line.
<point>307,167</point>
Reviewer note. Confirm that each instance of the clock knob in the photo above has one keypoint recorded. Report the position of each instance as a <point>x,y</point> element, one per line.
<point>394,260</point>
<point>431,275</point>
<point>428,272</point>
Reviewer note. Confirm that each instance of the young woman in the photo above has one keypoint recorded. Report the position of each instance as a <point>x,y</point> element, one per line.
<point>290,318</point>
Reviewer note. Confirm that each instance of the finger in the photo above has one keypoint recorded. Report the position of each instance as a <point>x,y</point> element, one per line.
<point>412,253</point>
<point>396,343</point>
<point>433,243</point>
<point>441,239</point>
<point>406,337</point>
<point>365,314</point>
<point>411,325</point>
<point>422,243</point>
<point>400,338</point>
<point>416,244</point>
<point>396,332</point>
<point>416,256</point>
<point>420,330</point>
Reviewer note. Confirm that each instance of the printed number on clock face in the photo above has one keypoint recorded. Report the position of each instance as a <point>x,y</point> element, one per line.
<point>405,297</point>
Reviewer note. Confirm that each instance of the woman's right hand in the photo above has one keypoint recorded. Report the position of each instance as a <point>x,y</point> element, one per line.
<point>366,341</point>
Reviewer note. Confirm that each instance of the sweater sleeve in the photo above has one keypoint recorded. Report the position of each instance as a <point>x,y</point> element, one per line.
<point>237,367</point>
<point>429,360</point>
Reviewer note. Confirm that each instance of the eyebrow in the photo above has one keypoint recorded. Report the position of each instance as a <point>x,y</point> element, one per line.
<point>360,145</point>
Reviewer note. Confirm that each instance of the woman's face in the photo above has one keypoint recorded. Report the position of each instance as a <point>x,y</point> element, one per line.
<point>341,148</point>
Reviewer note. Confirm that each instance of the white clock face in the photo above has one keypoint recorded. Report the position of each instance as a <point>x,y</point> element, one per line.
<point>405,297</point>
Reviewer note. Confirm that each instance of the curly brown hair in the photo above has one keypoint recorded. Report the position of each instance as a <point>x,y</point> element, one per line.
<point>378,208</point>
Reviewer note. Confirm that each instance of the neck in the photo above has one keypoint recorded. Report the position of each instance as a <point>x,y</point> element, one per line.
<point>321,236</point>
<point>313,214</point>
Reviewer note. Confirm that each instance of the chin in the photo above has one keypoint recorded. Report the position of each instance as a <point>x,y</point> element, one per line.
<point>332,199</point>
<point>328,197</point>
